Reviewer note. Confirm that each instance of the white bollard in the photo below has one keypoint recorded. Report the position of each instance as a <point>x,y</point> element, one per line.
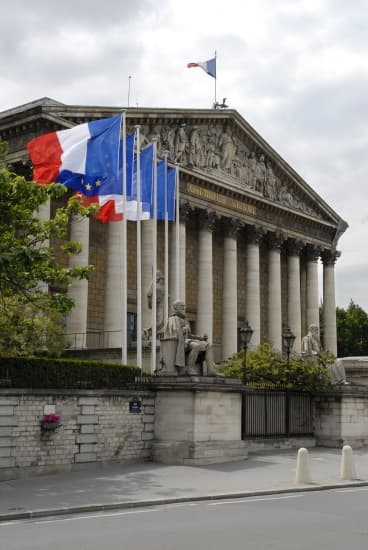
<point>347,469</point>
<point>303,474</point>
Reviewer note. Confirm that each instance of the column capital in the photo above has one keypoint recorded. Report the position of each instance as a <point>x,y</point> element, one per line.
<point>232,226</point>
<point>254,233</point>
<point>185,212</point>
<point>294,246</point>
<point>207,220</point>
<point>312,252</point>
<point>329,257</point>
<point>275,239</point>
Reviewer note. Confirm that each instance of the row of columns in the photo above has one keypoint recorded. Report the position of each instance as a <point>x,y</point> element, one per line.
<point>77,322</point>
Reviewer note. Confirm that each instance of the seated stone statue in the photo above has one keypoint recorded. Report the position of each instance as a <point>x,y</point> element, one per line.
<point>189,348</point>
<point>311,347</point>
<point>337,373</point>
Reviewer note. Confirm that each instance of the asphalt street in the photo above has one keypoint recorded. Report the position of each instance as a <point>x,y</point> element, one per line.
<point>330,520</point>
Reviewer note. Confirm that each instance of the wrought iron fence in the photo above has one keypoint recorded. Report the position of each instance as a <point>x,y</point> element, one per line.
<point>270,413</point>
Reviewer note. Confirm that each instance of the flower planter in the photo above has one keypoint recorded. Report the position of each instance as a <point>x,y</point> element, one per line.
<point>49,422</point>
<point>49,426</point>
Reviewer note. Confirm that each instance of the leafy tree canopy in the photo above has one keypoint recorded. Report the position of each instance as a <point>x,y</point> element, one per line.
<point>352,331</point>
<point>30,315</point>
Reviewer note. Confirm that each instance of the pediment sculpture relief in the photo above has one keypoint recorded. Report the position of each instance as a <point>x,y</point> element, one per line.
<point>214,149</point>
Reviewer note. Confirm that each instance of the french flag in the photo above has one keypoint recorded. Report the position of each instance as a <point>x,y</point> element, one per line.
<point>84,158</point>
<point>208,66</point>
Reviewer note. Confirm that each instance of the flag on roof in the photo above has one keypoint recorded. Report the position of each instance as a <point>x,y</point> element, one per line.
<point>84,158</point>
<point>208,66</point>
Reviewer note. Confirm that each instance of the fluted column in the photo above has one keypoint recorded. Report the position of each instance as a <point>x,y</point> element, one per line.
<point>230,290</point>
<point>113,287</point>
<point>329,258</point>
<point>77,320</point>
<point>205,275</point>
<point>312,255</point>
<point>294,248</point>
<point>185,212</point>
<point>147,264</point>
<point>253,290</point>
<point>275,241</point>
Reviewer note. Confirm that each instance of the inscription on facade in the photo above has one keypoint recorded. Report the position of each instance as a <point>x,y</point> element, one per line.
<point>217,198</point>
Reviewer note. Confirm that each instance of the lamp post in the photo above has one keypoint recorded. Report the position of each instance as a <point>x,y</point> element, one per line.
<point>245,337</point>
<point>288,339</point>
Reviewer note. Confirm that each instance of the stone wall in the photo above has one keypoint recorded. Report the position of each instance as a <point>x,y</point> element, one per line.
<point>341,418</point>
<point>95,427</point>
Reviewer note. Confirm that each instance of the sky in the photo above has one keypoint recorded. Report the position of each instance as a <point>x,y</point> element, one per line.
<point>296,70</point>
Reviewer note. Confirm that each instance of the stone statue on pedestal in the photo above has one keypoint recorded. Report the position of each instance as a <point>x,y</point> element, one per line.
<point>183,352</point>
<point>311,347</point>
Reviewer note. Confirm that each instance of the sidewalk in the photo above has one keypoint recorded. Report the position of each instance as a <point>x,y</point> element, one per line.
<point>122,486</point>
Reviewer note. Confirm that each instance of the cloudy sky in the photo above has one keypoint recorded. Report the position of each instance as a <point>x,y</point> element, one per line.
<point>296,70</point>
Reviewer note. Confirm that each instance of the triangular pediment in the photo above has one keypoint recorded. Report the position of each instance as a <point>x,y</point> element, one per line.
<point>215,144</point>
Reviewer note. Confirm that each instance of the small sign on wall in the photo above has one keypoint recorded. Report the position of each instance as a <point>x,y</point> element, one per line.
<point>49,409</point>
<point>135,405</point>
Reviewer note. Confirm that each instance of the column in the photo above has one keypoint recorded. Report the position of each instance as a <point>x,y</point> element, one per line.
<point>205,277</point>
<point>312,255</point>
<point>113,288</point>
<point>147,263</point>
<point>275,241</point>
<point>230,290</point>
<point>185,212</point>
<point>76,324</point>
<point>294,248</point>
<point>253,289</point>
<point>329,258</point>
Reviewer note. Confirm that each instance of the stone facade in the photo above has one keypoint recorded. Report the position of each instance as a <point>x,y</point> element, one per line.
<point>95,427</point>
<point>229,177</point>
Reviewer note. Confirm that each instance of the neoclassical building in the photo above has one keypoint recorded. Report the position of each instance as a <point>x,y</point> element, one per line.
<point>252,232</point>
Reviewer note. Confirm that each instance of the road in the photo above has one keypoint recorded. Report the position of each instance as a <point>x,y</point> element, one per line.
<point>324,520</point>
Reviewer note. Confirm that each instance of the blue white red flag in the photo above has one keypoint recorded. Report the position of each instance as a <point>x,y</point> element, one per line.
<point>166,177</point>
<point>84,158</point>
<point>146,173</point>
<point>208,66</point>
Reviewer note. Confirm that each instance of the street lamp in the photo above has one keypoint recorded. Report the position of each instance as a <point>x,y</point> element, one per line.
<point>245,337</point>
<point>288,339</point>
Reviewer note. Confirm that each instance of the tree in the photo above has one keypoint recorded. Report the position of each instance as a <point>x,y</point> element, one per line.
<point>352,331</point>
<point>30,252</point>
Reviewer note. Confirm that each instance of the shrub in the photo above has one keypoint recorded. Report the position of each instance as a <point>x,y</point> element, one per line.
<point>265,366</point>
<point>35,372</point>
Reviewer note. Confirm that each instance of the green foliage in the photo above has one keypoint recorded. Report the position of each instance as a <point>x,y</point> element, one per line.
<point>352,331</point>
<point>38,372</point>
<point>265,366</point>
<point>29,315</point>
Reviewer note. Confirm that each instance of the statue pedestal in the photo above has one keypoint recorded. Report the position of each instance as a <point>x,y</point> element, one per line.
<point>198,421</point>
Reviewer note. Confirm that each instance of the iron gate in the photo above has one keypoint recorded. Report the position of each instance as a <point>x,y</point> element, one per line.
<point>269,413</point>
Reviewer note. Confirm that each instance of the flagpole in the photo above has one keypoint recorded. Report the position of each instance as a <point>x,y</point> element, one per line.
<point>177,235</point>
<point>139,251</point>
<point>124,294</point>
<point>216,77</point>
<point>154,262</point>
<point>166,288</point>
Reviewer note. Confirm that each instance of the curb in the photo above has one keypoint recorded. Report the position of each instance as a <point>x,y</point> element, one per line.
<point>87,508</point>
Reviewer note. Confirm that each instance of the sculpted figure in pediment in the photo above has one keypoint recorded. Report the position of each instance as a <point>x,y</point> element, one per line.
<point>196,148</point>
<point>252,167</point>
<point>260,174</point>
<point>181,144</point>
<point>227,150</point>
<point>270,189</point>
